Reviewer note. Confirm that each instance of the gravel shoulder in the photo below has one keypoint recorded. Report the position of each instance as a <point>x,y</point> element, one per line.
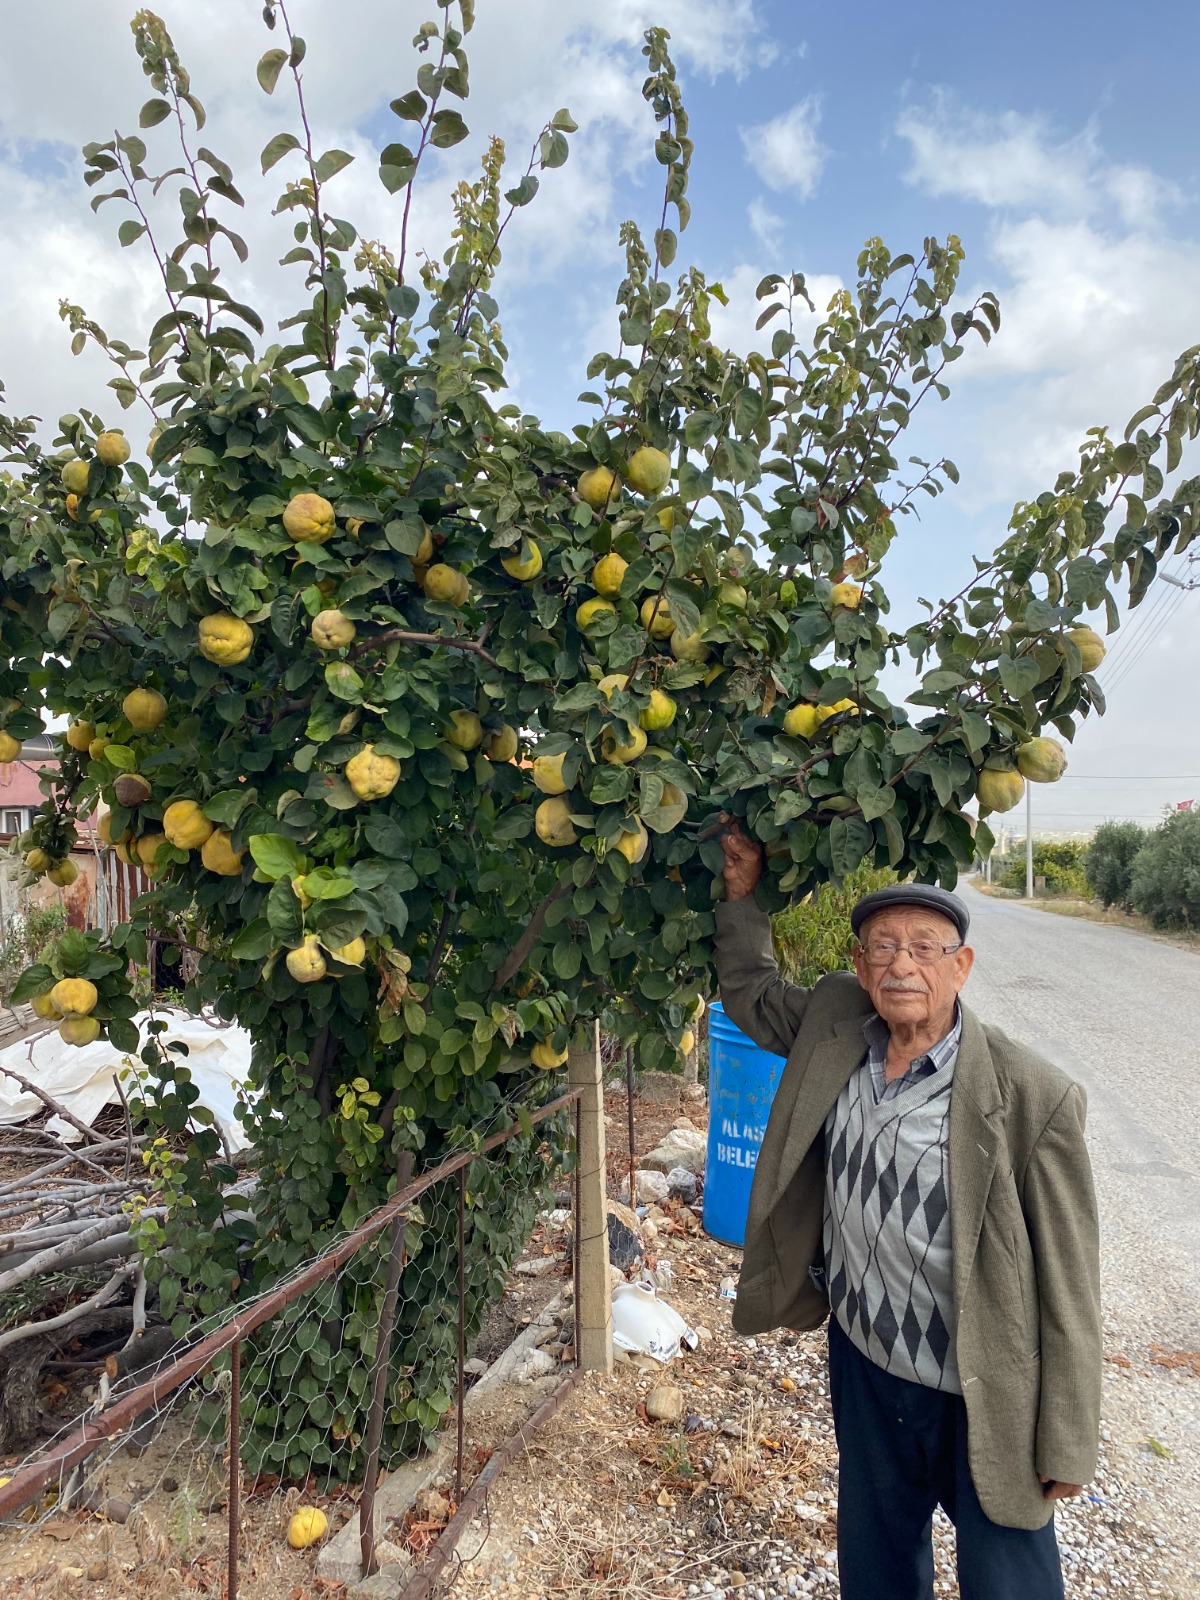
<point>740,1499</point>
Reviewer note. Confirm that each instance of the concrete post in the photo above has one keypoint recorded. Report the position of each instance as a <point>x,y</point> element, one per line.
<point>594,1308</point>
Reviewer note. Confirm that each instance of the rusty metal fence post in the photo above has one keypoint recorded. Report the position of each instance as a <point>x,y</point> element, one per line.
<point>235,1460</point>
<point>379,1381</point>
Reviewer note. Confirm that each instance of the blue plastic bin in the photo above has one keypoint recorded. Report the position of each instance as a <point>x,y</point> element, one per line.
<point>742,1080</point>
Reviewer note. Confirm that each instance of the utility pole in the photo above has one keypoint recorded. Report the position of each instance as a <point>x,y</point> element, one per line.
<point>1028,841</point>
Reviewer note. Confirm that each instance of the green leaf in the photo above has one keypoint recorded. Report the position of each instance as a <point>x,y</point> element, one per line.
<point>275,149</point>
<point>33,981</point>
<point>402,301</point>
<point>666,244</point>
<point>269,68</point>
<point>121,757</point>
<point>284,914</point>
<point>130,232</point>
<point>411,107</point>
<point>448,129</point>
<point>849,840</point>
<point>153,112</point>
<point>524,191</point>
<point>610,783</point>
<point>255,941</point>
<point>563,121</point>
<point>553,149</point>
<point>1018,675</point>
<point>330,163</point>
<point>342,680</point>
<point>123,1035</point>
<point>275,856</point>
<point>227,806</point>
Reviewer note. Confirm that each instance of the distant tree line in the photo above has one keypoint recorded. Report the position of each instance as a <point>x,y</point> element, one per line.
<point>1153,871</point>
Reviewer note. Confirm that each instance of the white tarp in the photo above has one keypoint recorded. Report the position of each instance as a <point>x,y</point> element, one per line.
<point>80,1077</point>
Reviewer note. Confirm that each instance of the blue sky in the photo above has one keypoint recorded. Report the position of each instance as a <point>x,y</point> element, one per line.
<point>1059,141</point>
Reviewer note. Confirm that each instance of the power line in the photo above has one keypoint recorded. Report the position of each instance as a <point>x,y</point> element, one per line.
<point>1126,666</point>
<point>1126,640</point>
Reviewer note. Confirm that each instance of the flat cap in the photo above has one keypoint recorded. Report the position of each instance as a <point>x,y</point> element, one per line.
<point>924,896</point>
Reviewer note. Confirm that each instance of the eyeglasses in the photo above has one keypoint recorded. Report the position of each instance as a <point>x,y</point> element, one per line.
<point>882,952</point>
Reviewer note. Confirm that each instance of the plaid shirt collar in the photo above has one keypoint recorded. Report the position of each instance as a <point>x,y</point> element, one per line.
<point>943,1054</point>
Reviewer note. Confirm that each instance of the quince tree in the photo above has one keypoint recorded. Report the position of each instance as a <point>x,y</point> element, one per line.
<point>418,712</point>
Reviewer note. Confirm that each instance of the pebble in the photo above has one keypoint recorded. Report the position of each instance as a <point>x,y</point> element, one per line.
<point>665,1403</point>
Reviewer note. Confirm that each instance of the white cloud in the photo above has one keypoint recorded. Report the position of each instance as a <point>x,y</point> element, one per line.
<point>526,61</point>
<point>785,152</point>
<point>1016,160</point>
<point>766,225</point>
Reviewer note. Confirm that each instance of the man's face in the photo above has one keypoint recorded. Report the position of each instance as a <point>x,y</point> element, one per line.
<point>906,991</point>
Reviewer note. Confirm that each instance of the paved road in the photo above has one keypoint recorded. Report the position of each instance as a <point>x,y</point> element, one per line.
<point>1121,1013</point>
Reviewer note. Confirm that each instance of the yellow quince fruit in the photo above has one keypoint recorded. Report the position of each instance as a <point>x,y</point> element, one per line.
<point>613,750</point>
<point>656,618</point>
<point>75,477</point>
<point>1090,646</point>
<point>608,573</point>
<point>633,846</point>
<point>80,735</point>
<point>306,963</point>
<point>113,449</point>
<point>649,470</point>
<point>446,585</point>
<point>590,611</point>
<point>371,776</point>
<point>309,519</point>
<point>552,822</point>
<point>999,788</point>
<point>185,825</point>
<point>352,954</point>
<point>465,730</point>
<point>144,709</point>
<point>332,630</point>
<point>74,997</point>
<point>660,713</point>
<point>597,487</point>
<point>547,774</point>
<point>79,1030</point>
<point>1041,760</point>
<point>219,856</point>
<point>526,564</point>
<point>225,639</point>
<point>802,721</point>
<point>502,745</point>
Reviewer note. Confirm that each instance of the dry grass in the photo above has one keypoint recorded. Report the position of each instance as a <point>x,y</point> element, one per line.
<point>1093,911</point>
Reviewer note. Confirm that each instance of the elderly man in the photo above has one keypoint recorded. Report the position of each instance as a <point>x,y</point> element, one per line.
<point>925,1179</point>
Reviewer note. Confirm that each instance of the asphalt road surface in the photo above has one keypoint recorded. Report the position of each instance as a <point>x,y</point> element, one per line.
<point>1120,1012</point>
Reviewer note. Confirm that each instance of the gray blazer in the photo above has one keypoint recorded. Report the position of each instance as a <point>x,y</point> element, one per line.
<point>1023,1220</point>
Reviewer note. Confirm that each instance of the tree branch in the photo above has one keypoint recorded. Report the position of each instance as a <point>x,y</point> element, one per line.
<point>515,958</point>
<point>54,1105</point>
<point>403,636</point>
<point>101,1297</point>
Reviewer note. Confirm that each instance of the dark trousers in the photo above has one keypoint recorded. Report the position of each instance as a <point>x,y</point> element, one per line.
<point>903,1450</point>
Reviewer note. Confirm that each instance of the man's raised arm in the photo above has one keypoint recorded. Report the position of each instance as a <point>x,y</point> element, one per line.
<point>754,996</point>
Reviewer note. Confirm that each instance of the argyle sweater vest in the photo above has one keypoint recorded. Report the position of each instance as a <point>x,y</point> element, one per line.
<point>887,1227</point>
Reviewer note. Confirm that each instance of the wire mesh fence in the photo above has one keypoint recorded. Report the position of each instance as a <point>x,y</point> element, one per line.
<point>209,1470</point>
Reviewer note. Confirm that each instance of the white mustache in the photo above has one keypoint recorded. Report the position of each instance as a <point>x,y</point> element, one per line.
<point>898,986</point>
